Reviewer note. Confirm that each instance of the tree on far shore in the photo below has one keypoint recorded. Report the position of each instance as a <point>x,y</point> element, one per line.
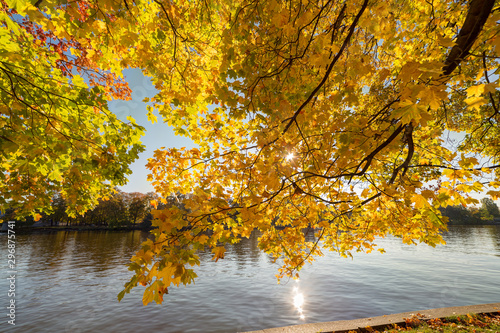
<point>472,215</point>
<point>490,208</point>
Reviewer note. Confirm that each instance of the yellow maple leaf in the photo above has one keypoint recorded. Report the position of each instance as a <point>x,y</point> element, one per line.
<point>420,201</point>
<point>475,102</point>
<point>218,253</point>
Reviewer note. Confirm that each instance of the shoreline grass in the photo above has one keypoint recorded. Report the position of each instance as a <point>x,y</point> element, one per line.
<point>470,323</point>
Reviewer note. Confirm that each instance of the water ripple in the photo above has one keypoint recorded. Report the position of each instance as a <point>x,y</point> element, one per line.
<point>68,282</point>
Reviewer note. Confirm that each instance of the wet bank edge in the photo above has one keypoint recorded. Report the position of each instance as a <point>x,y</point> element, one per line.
<point>386,320</point>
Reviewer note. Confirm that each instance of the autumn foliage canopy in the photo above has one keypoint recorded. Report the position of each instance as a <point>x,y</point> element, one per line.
<point>321,114</point>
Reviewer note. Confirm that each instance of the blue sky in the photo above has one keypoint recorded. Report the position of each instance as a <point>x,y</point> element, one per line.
<point>157,135</point>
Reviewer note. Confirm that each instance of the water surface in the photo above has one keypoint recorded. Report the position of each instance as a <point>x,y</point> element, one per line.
<point>68,282</point>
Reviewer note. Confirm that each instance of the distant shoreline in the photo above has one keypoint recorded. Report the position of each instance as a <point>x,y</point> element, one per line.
<point>47,229</point>
<point>475,224</point>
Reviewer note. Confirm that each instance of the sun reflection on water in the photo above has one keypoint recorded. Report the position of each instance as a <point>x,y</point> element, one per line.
<point>298,301</point>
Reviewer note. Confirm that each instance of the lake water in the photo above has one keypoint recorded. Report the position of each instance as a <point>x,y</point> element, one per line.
<point>68,282</point>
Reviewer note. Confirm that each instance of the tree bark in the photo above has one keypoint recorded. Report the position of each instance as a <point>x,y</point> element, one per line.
<point>479,11</point>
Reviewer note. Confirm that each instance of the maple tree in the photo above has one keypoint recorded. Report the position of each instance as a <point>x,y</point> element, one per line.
<point>57,134</point>
<point>327,114</point>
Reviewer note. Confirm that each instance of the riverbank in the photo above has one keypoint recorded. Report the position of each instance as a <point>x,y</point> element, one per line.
<point>387,321</point>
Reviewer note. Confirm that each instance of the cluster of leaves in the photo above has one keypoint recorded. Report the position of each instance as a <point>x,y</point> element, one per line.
<point>320,114</point>
<point>57,134</point>
<point>472,215</point>
<point>328,115</point>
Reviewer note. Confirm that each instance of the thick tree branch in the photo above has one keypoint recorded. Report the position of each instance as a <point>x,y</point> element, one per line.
<point>408,136</point>
<point>478,13</point>
<point>330,67</point>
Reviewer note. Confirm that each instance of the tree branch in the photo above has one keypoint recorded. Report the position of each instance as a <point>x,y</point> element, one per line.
<point>330,67</point>
<point>479,11</point>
